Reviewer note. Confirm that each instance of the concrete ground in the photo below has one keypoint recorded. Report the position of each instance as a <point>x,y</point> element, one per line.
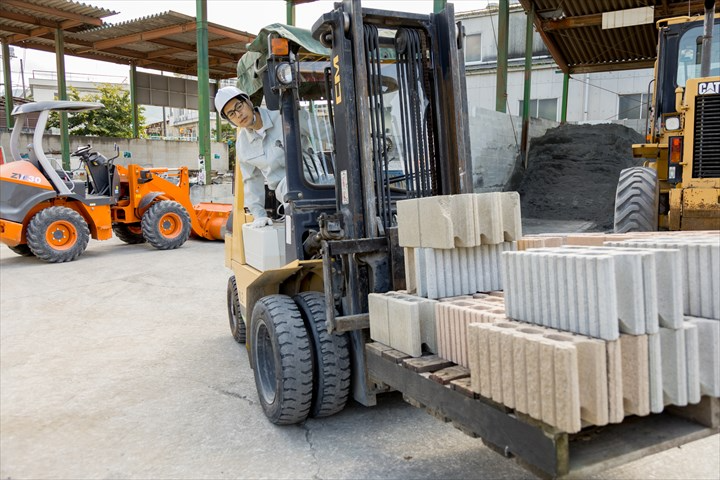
<point>121,365</point>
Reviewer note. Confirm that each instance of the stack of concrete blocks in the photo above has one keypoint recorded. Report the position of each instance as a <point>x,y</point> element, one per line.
<point>453,244</point>
<point>453,316</point>
<point>699,258</point>
<point>404,322</point>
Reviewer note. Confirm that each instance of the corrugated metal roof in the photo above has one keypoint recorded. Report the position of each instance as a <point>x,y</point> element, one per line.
<point>165,41</point>
<point>572,31</point>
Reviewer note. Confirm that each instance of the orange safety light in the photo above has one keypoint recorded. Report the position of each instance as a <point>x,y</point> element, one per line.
<point>676,148</point>
<point>280,47</point>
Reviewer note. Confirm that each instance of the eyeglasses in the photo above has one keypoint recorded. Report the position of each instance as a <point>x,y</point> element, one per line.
<point>235,112</point>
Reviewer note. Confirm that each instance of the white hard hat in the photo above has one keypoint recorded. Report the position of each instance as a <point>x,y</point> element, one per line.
<point>224,95</point>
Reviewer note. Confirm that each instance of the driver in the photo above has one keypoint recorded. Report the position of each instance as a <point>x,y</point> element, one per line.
<point>260,151</point>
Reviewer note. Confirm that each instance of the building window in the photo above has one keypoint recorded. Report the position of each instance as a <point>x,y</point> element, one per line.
<point>473,48</point>
<point>632,106</point>
<point>542,108</point>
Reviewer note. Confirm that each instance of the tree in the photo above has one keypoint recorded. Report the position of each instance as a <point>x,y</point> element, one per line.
<point>115,120</point>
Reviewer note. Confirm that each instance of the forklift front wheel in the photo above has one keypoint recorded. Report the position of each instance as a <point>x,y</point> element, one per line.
<point>166,225</point>
<point>282,356</point>
<point>237,324</point>
<point>57,234</point>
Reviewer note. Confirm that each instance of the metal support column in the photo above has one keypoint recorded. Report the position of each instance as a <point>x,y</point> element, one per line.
<point>218,124</point>
<point>133,100</point>
<point>62,95</point>
<point>290,12</point>
<point>502,56</point>
<point>566,83</point>
<point>528,76</point>
<point>203,69</point>
<point>439,5</point>
<point>8,84</point>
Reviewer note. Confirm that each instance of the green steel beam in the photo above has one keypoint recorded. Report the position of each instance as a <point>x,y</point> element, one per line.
<point>218,125</point>
<point>566,83</point>
<point>290,12</point>
<point>133,100</point>
<point>203,73</point>
<point>439,5</point>
<point>528,75</point>
<point>8,84</point>
<point>62,95</point>
<point>502,56</point>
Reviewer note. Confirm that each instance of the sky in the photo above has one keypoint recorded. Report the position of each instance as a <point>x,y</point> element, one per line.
<point>246,15</point>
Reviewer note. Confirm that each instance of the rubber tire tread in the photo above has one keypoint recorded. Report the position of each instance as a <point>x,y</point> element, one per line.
<point>636,200</point>
<point>292,356</point>
<point>237,324</point>
<point>151,230</point>
<point>22,249</point>
<point>123,232</point>
<point>38,226</point>
<point>331,357</point>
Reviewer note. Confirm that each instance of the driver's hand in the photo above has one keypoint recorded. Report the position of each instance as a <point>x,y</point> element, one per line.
<point>261,222</point>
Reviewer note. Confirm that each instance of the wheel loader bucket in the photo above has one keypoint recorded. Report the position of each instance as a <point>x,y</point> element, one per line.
<point>212,218</point>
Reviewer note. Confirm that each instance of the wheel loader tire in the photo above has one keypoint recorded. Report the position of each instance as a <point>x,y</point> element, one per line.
<point>57,234</point>
<point>237,324</point>
<point>331,358</point>
<point>166,225</point>
<point>130,233</point>
<point>636,200</point>
<point>23,250</point>
<point>282,359</point>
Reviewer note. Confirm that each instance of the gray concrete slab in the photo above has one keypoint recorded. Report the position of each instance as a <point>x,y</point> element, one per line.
<point>121,365</point>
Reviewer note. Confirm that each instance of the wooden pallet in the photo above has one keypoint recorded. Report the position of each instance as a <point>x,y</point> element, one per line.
<point>444,391</point>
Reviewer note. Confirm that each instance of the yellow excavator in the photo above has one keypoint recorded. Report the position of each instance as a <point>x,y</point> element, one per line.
<point>678,188</point>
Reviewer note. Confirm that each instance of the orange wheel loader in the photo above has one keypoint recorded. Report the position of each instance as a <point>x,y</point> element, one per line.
<point>45,213</point>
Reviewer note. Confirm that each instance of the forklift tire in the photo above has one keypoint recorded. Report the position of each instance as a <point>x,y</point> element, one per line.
<point>57,234</point>
<point>331,358</point>
<point>636,200</point>
<point>130,233</point>
<point>282,359</point>
<point>22,249</point>
<point>166,225</point>
<point>237,324</point>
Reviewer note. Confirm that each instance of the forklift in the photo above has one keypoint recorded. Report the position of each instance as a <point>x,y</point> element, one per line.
<point>374,110</point>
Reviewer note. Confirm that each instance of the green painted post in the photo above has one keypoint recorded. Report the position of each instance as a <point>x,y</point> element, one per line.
<point>8,84</point>
<point>566,83</point>
<point>502,56</point>
<point>290,12</point>
<point>528,75</point>
<point>439,5</point>
<point>218,125</point>
<point>133,100</point>
<point>203,73</point>
<point>62,95</point>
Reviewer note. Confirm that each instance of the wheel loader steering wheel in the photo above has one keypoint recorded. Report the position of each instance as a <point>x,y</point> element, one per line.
<point>80,151</point>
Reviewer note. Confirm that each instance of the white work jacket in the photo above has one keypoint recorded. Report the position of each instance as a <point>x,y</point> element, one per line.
<point>261,157</point>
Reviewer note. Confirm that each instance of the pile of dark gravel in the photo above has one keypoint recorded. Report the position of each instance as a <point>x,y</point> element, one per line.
<point>573,172</point>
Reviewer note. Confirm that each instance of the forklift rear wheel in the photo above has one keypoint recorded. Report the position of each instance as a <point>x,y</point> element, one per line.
<point>57,234</point>
<point>282,359</point>
<point>331,357</point>
<point>636,200</point>
<point>237,324</point>
<point>23,250</point>
<point>130,233</point>
<point>166,225</point>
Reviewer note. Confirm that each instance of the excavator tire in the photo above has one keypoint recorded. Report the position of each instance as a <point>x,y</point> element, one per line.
<point>22,249</point>
<point>237,324</point>
<point>57,234</point>
<point>130,233</point>
<point>282,358</point>
<point>636,200</point>
<point>331,358</point>
<point>166,225</point>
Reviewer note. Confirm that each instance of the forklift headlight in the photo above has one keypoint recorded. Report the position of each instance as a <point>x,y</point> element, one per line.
<point>672,123</point>
<point>284,73</point>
